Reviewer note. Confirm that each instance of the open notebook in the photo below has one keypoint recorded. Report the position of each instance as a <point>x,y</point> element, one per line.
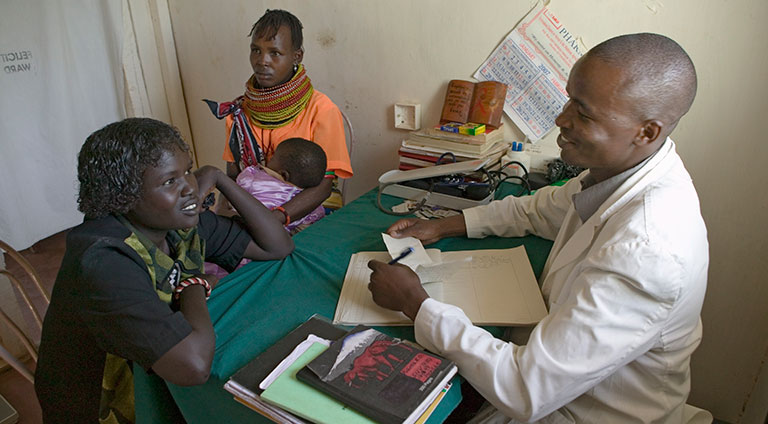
<point>493,287</point>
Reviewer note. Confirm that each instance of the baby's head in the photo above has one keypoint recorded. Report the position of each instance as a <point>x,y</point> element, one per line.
<point>300,162</point>
<point>112,164</point>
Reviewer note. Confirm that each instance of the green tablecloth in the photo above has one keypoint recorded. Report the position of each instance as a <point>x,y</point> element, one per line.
<point>260,303</point>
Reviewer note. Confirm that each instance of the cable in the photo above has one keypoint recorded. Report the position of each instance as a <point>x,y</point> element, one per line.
<point>558,170</point>
<point>413,210</point>
<point>524,182</point>
<point>440,159</point>
<point>524,179</point>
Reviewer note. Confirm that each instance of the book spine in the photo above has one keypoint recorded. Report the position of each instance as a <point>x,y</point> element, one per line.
<point>407,167</point>
<point>459,138</point>
<point>415,162</point>
<point>448,145</point>
<point>424,157</point>
<point>436,149</point>
<point>436,152</point>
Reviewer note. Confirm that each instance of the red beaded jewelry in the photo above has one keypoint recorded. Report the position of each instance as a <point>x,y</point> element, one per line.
<point>192,281</point>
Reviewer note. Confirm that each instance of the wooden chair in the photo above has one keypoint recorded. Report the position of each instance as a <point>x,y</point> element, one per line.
<point>25,302</point>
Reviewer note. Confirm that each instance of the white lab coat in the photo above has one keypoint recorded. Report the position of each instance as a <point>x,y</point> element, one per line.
<point>624,291</point>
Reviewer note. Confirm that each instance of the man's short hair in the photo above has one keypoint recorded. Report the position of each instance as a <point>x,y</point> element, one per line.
<point>269,24</point>
<point>304,160</point>
<point>660,76</point>
<point>112,161</point>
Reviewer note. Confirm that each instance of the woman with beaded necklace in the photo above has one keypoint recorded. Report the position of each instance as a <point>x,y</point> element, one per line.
<point>280,103</point>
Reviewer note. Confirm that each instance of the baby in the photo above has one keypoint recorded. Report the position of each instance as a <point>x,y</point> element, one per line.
<point>296,164</point>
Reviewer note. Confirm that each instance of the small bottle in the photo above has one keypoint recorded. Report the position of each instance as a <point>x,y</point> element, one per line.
<point>516,154</point>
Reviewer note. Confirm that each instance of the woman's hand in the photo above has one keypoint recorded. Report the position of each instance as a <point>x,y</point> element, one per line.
<point>207,179</point>
<point>428,231</point>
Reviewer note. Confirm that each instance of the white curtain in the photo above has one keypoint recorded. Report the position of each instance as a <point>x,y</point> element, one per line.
<point>61,78</point>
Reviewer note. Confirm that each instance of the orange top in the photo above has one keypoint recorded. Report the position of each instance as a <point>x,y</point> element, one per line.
<point>320,122</point>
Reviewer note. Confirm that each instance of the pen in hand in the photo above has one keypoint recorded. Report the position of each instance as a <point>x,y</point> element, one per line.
<point>402,254</point>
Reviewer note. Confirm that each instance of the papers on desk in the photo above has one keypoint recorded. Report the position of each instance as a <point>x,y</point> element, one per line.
<point>428,264</point>
<point>420,256</point>
<point>277,385</point>
<point>245,384</point>
<point>493,287</point>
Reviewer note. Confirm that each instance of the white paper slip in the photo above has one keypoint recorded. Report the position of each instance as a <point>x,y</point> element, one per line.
<point>396,246</point>
<point>290,359</point>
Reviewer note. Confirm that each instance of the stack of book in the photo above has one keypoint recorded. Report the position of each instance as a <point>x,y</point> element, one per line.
<point>473,104</point>
<point>424,148</point>
<point>325,374</point>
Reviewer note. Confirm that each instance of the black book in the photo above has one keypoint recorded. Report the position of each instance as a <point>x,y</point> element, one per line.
<point>388,379</point>
<point>252,374</point>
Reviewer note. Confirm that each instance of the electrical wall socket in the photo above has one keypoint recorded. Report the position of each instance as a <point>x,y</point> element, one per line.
<point>408,116</point>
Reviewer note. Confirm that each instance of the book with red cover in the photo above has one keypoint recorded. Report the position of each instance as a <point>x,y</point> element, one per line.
<point>387,379</point>
<point>476,102</point>
<point>426,158</point>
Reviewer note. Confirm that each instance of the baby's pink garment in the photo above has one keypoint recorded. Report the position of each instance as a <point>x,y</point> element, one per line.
<point>271,192</point>
<point>274,192</point>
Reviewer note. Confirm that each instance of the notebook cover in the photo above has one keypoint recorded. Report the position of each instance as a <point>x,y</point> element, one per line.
<point>385,378</point>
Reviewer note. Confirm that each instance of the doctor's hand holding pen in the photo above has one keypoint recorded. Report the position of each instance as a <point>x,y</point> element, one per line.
<point>395,286</point>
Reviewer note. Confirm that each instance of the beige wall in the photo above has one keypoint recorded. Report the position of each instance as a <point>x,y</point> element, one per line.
<point>368,55</point>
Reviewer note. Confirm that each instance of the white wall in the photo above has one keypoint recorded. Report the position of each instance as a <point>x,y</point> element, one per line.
<point>368,55</point>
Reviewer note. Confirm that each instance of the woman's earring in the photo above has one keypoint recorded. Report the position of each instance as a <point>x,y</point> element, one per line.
<point>295,68</point>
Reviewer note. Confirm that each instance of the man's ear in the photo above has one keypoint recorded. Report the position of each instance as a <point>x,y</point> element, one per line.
<point>649,132</point>
<point>285,174</point>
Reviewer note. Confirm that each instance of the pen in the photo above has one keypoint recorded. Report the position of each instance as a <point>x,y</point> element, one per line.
<point>402,254</point>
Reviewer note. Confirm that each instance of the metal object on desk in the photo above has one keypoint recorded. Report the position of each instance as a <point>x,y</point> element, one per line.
<point>395,183</point>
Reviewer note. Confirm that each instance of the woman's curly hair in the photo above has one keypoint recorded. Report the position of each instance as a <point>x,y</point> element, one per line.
<point>111,163</point>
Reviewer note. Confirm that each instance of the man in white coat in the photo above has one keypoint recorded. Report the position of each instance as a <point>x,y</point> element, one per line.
<point>625,280</point>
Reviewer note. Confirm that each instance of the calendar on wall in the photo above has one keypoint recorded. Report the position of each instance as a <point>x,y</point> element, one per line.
<point>534,61</point>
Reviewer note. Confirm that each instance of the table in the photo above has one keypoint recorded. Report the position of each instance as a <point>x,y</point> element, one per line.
<point>260,303</point>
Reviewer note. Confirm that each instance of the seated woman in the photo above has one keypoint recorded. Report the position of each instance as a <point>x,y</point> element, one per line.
<point>280,103</point>
<point>131,285</point>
